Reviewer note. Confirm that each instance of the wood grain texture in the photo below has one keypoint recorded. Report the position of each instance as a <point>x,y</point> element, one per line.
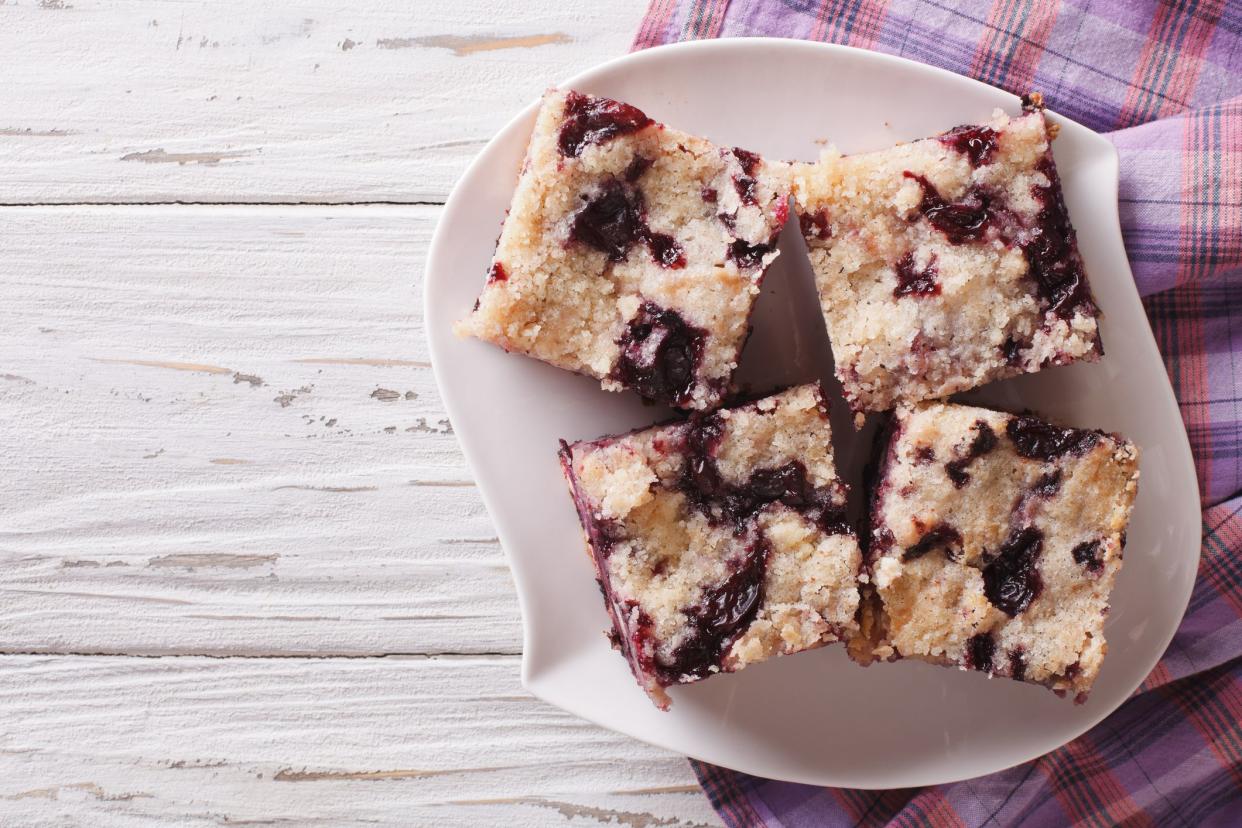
<point>309,101</point>
<point>223,437</point>
<point>113,741</point>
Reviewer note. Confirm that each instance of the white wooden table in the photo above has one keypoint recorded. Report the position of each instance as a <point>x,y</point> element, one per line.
<point>246,577</point>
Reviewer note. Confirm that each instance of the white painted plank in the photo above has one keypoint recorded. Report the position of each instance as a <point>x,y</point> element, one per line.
<point>112,741</point>
<point>221,436</point>
<point>233,100</point>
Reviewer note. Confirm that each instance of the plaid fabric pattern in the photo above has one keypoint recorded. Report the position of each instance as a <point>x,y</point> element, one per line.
<point>1164,79</point>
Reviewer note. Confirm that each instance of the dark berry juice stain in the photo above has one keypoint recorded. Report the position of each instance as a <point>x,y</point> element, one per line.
<point>1017,664</point>
<point>497,273</point>
<point>745,186</point>
<point>738,504</point>
<point>914,282</point>
<point>983,442</point>
<point>596,120</point>
<point>748,160</point>
<point>1036,440</point>
<point>709,194</point>
<point>1051,252</point>
<point>638,165</point>
<point>977,143</point>
<point>745,183</point>
<point>924,455</point>
<point>603,534</point>
<point>723,613</point>
<point>1010,580</point>
<point>615,220</point>
<point>980,650</point>
<point>747,254</point>
<point>660,354</point>
<point>815,225</point>
<point>941,536</point>
<point>1047,485</point>
<point>1087,554</point>
<point>961,221</point>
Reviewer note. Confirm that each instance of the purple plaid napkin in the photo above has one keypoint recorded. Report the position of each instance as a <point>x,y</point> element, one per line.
<point>1164,80</point>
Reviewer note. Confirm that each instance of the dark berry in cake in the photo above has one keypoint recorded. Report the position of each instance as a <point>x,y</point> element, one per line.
<point>1038,440</point>
<point>913,281</point>
<point>1011,581</point>
<point>748,255</point>
<point>591,120</point>
<point>659,354</point>
<point>976,142</point>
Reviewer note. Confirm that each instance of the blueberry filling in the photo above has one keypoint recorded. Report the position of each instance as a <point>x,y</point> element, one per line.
<point>1017,663</point>
<point>1037,440</point>
<point>941,536</point>
<point>815,225</point>
<point>596,120</point>
<point>747,159</point>
<point>745,186</point>
<point>615,220</point>
<point>665,250</point>
<point>747,254</point>
<point>1012,351</point>
<point>745,183</point>
<point>660,354</point>
<point>611,222</point>
<point>983,442</point>
<point>961,221</point>
<point>1087,554</point>
<point>980,650</point>
<point>1051,254</point>
<point>914,282</point>
<point>724,611</point>
<point>1047,485</point>
<point>1010,580</point>
<point>977,143</point>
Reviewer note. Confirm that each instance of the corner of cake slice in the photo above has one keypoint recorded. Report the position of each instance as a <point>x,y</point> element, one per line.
<point>995,542</point>
<point>946,263</point>
<point>632,252</point>
<point>721,540</point>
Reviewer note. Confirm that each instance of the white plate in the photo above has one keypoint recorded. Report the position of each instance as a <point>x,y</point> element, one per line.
<point>814,717</point>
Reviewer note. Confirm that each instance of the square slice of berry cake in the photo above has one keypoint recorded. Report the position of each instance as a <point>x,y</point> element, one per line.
<point>946,263</point>
<point>721,540</point>
<point>995,542</point>
<point>632,252</point>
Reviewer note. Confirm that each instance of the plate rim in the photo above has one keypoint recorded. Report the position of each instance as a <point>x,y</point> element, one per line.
<point>533,681</point>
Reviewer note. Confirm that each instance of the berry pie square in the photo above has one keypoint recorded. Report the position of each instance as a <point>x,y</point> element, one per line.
<point>995,542</point>
<point>946,263</point>
<point>632,252</point>
<point>721,540</point>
